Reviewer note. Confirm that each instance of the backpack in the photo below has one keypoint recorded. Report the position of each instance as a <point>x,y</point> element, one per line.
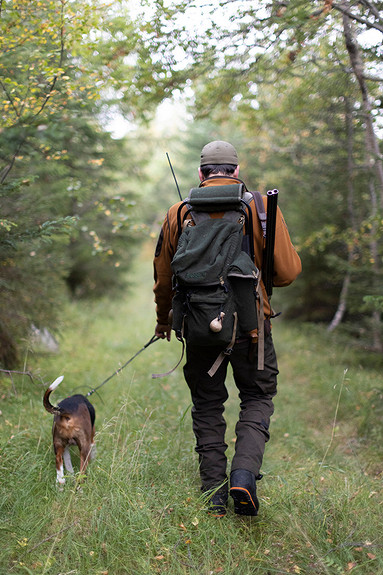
<point>217,295</point>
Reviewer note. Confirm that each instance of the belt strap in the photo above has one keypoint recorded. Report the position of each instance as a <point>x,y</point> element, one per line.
<point>227,351</point>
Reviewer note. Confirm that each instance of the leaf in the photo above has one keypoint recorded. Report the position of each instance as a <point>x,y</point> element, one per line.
<point>7,225</point>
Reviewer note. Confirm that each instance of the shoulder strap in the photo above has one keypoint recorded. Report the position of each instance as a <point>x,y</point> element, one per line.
<point>257,196</point>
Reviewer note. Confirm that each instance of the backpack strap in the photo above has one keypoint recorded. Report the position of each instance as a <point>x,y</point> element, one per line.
<point>227,351</point>
<point>257,196</point>
<point>261,327</point>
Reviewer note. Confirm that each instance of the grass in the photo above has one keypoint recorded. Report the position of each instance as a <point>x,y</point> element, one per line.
<point>140,510</point>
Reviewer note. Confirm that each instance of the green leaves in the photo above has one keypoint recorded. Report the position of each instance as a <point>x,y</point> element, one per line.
<point>63,64</point>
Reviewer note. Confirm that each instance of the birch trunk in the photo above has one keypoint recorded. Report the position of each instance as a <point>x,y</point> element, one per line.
<point>342,305</point>
<point>374,163</point>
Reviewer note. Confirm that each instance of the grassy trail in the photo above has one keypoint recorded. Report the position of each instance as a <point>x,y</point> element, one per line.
<point>139,512</point>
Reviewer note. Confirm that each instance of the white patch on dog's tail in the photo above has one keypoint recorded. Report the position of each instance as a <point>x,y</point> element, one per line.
<point>56,383</point>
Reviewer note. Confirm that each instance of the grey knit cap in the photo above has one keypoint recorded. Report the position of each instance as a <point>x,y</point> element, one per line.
<point>219,152</point>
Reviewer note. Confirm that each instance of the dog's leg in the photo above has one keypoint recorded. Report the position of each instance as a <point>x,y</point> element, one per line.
<point>68,461</point>
<point>93,451</point>
<point>87,448</point>
<point>60,479</point>
<point>85,455</point>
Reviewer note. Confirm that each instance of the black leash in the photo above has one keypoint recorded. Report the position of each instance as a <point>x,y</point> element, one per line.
<point>152,340</point>
<point>157,375</point>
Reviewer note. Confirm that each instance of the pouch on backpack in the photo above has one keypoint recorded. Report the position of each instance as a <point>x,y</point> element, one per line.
<point>204,317</point>
<point>243,278</point>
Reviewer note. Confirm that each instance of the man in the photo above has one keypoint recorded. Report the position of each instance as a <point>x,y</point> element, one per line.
<point>219,166</point>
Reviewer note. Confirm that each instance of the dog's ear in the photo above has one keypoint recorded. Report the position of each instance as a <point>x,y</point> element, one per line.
<point>56,383</point>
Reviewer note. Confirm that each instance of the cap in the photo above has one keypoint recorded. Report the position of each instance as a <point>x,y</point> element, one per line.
<point>219,152</point>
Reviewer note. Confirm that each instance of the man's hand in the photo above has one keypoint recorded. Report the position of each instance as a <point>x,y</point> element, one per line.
<point>163,331</point>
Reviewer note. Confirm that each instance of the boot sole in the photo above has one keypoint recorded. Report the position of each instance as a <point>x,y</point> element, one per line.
<point>217,513</point>
<point>243,502</point>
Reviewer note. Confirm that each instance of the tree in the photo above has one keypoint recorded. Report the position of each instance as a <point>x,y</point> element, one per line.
<point>67,208</point>
<point>242,53</point>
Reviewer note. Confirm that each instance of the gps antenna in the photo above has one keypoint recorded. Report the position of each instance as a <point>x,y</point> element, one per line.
<point>174,176</point>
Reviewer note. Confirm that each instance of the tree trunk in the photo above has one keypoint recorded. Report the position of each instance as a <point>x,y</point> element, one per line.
<point>342,305</point>
<point>374,163</point>
<point>374,156</point>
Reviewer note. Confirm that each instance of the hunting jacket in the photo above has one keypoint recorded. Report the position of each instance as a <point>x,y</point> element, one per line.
<point>287,264</point>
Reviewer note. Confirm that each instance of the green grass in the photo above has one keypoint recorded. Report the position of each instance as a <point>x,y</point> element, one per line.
<point>140,510</point>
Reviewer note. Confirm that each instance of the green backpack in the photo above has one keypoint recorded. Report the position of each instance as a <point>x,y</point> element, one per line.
<point>216,283</point>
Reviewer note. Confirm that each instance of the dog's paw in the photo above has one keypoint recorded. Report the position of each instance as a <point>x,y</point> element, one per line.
<point>60,479</point>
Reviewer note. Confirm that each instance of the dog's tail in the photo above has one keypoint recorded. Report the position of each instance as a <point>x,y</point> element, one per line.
<point>47,404</point>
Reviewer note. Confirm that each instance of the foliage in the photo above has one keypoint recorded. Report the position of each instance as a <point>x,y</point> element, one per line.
<point>374,302</point>
<point>26,256</point>
<point>63,177</point>
<point>282,81</point>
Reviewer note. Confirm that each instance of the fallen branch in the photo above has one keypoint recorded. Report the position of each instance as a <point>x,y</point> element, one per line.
<point>52,536</point>
<point>10,372</point>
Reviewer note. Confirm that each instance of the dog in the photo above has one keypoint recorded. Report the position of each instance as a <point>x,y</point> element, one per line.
<point>73,424</point>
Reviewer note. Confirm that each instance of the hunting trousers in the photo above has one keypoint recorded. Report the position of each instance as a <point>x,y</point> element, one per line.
<point>256,390</point>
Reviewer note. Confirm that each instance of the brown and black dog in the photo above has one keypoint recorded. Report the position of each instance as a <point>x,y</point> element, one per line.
<point>73,424</point>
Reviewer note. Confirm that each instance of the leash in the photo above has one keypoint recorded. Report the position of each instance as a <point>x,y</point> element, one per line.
<point>152,340</point>
<point>157,375</point>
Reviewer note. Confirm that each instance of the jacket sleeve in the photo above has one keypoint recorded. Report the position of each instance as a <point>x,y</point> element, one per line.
<point>287,263</point>
<point>163,292</point>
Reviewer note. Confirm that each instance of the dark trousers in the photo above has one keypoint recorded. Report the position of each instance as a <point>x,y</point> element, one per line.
<point>256,390</point>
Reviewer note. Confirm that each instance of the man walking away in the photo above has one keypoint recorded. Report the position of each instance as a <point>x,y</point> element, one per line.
<point>257,387</point>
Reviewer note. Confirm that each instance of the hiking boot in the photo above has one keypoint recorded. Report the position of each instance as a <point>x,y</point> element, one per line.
<point>244,492</point>
<point>217,501</point>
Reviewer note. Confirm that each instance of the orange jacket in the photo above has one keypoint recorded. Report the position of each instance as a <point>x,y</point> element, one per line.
<point>287,264</point>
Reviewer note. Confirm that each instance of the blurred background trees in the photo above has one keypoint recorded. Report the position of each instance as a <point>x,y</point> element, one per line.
<point>69,221</point>
<point>294,85</point>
